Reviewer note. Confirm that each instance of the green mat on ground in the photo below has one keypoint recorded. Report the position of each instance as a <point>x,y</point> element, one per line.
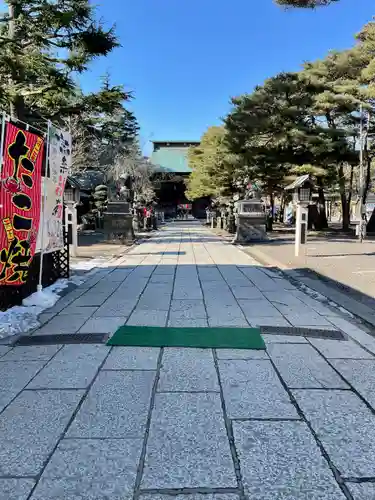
<point>217,338</point>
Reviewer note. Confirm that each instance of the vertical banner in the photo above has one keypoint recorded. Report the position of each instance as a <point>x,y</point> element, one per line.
<point>59,163</point>
<point>20,201</point>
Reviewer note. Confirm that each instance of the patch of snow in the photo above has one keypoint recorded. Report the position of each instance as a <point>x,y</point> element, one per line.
<point>345,311</point>
<point>77,280</point>
<point>22,319</point>
<point>272,274</point>
<point>313,293</point>
<point>323,298</point>
<point>88,265</point>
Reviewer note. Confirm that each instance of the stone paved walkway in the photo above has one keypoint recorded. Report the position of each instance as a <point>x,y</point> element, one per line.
<point>86,422</point>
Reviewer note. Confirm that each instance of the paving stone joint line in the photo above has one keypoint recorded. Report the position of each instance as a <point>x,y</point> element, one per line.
<point>62,436</point>
<point>339,479</point>
<point>142,458</point>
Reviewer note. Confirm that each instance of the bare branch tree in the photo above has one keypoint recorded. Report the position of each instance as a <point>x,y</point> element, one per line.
<point>87,146</point>
<point>134,164</point>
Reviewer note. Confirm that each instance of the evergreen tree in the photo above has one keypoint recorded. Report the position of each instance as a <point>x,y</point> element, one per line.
<point>42,42</point>
<point>336,107</point>
<point>306,4</point>
<point>214,168</point>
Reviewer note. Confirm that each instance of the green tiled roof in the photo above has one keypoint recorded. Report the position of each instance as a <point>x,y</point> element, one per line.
<point>171,160</point>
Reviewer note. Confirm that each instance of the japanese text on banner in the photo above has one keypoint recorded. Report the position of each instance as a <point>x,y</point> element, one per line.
<point>53,191</point>
<point>20,196</point>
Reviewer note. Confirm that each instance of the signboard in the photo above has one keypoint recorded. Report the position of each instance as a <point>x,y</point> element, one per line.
<point>253,208</point>
<point>53,190</point>
<point>20,203</point>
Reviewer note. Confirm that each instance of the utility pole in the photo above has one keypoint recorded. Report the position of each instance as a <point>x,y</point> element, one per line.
<point>361,178</point>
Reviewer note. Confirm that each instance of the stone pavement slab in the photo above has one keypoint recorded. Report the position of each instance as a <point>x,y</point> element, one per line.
<point>346,428</point>
<point>355,333</point>
<point>301,366</point>
<point>247,292</point>
<point>241,354</point>
<point>30,428</point>
<point>364,491</point>
<point>16,489</point>
<point>73,367</point>
<point>119,275</point>
<point>14,377</point>
<point>116,306</point>
<point>132,358</point>
<point>116,406</point>
<point>190,309</point>
<point>259,308</point>
<point>62,324</point>
<point>280,460</point>
<point>283,339</point>
<point>80,310</point>
<point>263,282</point>
<point>91,469</point>
<point>187,322</point>
<point>92,298</point>
<point>103,325</point>
<point>162,278</point>
<point>188,449</point>
<point>360,374</point>
<point>188,370</point>
<point>272,321</point>
<point>252,389</point>
<point>347,349</point>
<point>3,350</point>
<point>148,317</point>
<point>93,442</point>
<point>32,353</point>
<point>306,319</point>
<point>197,496</point>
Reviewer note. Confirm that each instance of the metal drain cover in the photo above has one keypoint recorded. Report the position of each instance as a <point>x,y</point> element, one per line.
<point>303,332</point>
<point>74,338</point>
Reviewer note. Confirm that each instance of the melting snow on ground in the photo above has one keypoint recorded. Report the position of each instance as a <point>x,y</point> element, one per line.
<point>322,298</point>
<point>22,319</point>
<point>88,265</point>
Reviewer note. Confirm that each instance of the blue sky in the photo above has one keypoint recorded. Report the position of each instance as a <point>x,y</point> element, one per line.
<point>184,59</point>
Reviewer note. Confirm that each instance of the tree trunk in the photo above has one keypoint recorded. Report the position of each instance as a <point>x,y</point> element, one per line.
<point>270,215</point>
<point>368,159</point>
<point>282,208</point>
<point>345,206</point>
<point>367,180</point>
<point>345,213</point>
<point>321,219</point>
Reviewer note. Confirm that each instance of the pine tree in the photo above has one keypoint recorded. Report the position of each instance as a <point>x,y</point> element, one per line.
<point>306,4</point>
<point>336,107</point>
<point>41,44</point>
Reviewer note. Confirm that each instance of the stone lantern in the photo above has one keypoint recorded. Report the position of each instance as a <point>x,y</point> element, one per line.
<point>251,220</point>
<point>301,190</point>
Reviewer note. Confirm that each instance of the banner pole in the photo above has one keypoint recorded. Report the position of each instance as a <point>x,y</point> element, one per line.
<point>2,139</point>
<point>43,208</point>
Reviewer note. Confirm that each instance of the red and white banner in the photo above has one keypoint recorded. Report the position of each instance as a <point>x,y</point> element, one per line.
<point>20,203</point>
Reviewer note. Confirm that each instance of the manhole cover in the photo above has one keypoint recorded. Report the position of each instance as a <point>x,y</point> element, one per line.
<point>303,332</point>
<point>75,338</point>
